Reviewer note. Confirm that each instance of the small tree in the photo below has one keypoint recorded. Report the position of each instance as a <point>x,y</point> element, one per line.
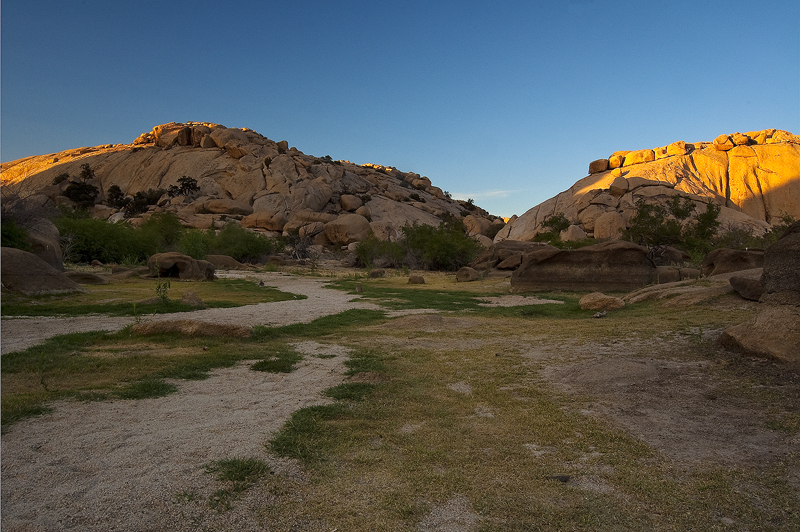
<point>674,223</point>
<point>116,198</point>
<point>83,194</point>
<point>186,187</point>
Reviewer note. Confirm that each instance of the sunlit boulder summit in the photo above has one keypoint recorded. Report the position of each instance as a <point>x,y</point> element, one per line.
<point>754,177</point>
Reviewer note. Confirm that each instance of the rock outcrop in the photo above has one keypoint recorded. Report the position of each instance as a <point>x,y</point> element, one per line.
<point>775,330</point>
<point>28,274</point>
<point>246,178</point>
<point>615,265</point>
<point>754,177</point>
<point>183,267</point>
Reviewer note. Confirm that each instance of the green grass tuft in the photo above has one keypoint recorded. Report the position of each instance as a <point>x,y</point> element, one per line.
<point>305,436</point>
<point>281,361</point>
<point>350,391</point>
<point>147,388</point>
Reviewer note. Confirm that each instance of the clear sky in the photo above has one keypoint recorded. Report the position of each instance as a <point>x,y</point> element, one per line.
<point>504,102</point>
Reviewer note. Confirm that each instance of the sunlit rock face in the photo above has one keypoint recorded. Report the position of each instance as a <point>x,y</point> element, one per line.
<point>247,178</point>
<point>754,176</point>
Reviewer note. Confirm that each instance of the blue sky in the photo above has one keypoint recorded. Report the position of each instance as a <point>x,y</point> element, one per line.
<point>503,102</point>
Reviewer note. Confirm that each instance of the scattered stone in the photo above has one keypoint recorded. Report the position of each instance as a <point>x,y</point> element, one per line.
<point>192,299</point>
<point>775,330</point>
<point>191,328</point>
<point>225,262</point>
<point>600,301</point>
<point>467,274</point>
<point>600,165</point>
<point>377,273</point>
<point>614,265</point>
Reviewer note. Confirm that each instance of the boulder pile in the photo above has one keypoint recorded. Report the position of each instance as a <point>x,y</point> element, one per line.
<point>754,177</point>
<point>246,178</point>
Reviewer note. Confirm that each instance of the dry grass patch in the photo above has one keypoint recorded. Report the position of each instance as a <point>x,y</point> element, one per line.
<point>191,328</point>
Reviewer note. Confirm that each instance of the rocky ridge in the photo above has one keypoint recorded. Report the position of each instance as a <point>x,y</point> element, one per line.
<point>247,178</point>
<point>754,177</point>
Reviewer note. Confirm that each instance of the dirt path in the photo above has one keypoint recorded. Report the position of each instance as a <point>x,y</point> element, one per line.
<point>19,334</point>
<point>126,465</point>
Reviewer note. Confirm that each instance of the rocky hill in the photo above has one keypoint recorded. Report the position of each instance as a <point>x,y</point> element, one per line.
<point>249,179</point>
<point>755,177</point>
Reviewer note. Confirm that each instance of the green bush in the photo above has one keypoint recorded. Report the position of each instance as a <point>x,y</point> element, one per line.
<point>555,223</point>
<point>142,201</point>
<point>165,227</point>
<point>186,186</point>
<point>196,243</point>
<point>675,223</point>
<point>243,245</point>
<point>83,194</point>
<point>14,235</point>
<point>446,247</point>
<point>86,239</point>
<point>60,178</point>
<point>371,249</point>
<point>116,198</point>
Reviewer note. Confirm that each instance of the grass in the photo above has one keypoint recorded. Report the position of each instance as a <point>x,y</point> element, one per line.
<point>397,298</point>
<point>126,298</point>
<point>239,474</point>
<point>281,361</point>
<point>383,456</point>
<point>101,365</point>
<point>463,408</point>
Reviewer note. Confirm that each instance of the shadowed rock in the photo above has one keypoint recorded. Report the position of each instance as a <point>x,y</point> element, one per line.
<point>28,274</point>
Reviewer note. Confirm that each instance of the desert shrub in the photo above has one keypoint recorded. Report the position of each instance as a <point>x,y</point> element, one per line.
<point>60,178</point>
<point>186,187</point>
<point>371,249</point>
<point>88,239</point>
<point>14,235</point>
<point>446,247</point>
<point>165,227</point>
<point>116,198</point>
<point>141,202</point>
<point>196,243</point>
<point>83,194</point>
<point>243,245</point>
<point>555,223</point>
<point>675,223</point>
<point>777,230</point>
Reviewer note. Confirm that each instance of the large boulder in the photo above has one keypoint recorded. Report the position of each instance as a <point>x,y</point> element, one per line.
<point>183,267</point>
<point>775,330</point>
<point>724,260</point>
<point>613,265</point>
<point>505,251</point>
<point>28,274</point>
<point>347,228</point>
<point>781,277</point>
